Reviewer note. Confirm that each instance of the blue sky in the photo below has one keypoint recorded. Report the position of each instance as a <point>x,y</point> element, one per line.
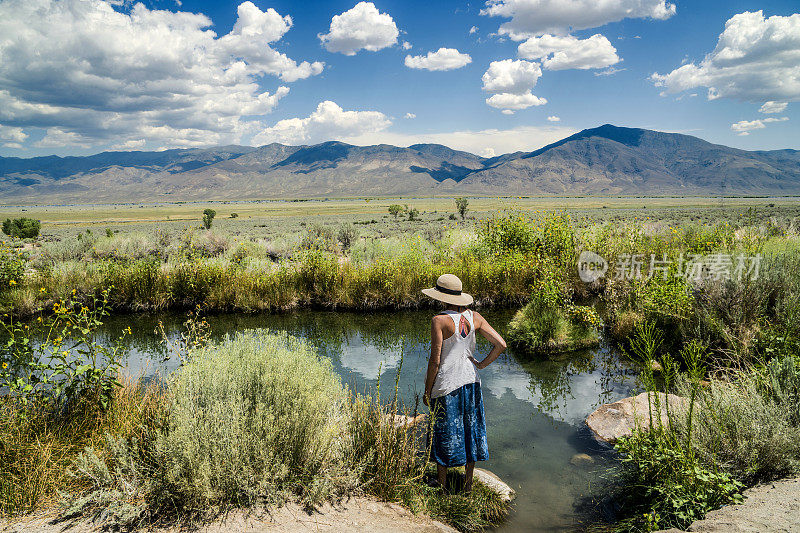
<point>82,76</point>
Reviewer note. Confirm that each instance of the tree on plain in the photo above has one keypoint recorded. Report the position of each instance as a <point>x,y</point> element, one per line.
<point>461,206</point>
<point>208,217</point>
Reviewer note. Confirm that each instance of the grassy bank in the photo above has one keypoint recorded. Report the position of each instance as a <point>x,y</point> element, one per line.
<point>501,258</point>
<point>255,420</point>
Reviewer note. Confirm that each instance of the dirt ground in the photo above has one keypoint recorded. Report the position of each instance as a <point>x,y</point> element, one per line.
<point>772,507</point>
<point>354,515</point>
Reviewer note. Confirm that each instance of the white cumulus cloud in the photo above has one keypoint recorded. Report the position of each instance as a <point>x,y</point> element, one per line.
<point>744,127</point>
<point>511,76</point>
<point>407,45</point>
<point>513,102</point>
<point>361,28</point>
<point>553,118</point>
<point>473,29</point>
<point>559,52</point>
<point>512,81</point>
<point>89,75</point>
<point>442,59</point>
<point>328,122</point>
<point>530,18</point>
<point>410,115</point>
<point>12,137</point>
<point>756,59</point>
<point>773,107</point>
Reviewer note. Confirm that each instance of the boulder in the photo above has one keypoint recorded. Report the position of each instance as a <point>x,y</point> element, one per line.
<point>581,459</point>
<point>495,483</point>
<point>404,421</point>
<point>614,420</point>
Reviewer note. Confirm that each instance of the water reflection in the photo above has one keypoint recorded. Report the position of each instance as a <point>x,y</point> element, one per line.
<point>535,408</point>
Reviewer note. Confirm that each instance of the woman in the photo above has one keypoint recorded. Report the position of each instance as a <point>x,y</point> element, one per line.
<point>452,384</point>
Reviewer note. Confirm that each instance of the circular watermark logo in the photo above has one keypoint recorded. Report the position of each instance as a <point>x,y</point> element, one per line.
<point>591,266</point>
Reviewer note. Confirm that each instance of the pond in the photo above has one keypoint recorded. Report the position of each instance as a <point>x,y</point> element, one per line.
<point>535,409</point>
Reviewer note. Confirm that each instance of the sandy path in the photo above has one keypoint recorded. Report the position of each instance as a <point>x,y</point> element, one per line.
<point>772,507</point>
<point>354,515</point>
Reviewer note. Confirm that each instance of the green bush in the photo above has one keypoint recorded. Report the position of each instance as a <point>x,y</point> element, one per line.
<point>348,234</point>
<point>12,267</point>
<point>319,237</point>
<point>665,487</point>
<point>461,207</point>
<point>502,235</point>
<point>208,217</point>
<point>272,423</point>
<point>57,361</point>
<point>749,425</point>
<point>543,326</point>
<point>22,228</point>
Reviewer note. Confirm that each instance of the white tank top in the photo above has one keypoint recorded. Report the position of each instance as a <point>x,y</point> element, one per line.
<point>455,368</point>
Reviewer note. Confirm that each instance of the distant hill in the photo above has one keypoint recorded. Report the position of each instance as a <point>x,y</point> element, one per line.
<point>607,160</point>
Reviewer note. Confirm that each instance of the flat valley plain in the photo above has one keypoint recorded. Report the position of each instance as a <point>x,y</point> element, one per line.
<point>272,218</point>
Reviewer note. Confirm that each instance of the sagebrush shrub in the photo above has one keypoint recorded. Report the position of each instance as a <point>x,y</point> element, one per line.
<point>271,423</point>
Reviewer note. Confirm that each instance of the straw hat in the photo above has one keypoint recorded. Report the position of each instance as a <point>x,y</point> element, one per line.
<point>448,290</point>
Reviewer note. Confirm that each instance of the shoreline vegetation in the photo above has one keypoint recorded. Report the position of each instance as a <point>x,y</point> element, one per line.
<point>720,316</point>
<point>257,419</point>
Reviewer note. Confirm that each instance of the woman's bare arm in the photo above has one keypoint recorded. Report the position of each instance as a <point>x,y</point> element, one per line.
<point>433,362</point>
<point>494,338</point>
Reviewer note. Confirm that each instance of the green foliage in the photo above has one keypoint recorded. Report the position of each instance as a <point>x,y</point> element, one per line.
<point>667,299</point>
<point>395,210</point>
<point>118,484</point>
<point>413,214</point>
<point>208,217</point>
<point>319,237</point>
<point>461,207</point>
<point>665,487</point>
<point>58,361</point>
<point>22,228</point>
<point>748,425</point>
<point>12,267</point>
<point>502,235</point>
<point>347,235</point>
<point>728,434</point>
<point>271,423</point>
<point>547,324</point>
<point>234,215</point>
<point>550,237</point>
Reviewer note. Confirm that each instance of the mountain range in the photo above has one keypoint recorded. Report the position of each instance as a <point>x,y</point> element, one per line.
<point>603,161</point>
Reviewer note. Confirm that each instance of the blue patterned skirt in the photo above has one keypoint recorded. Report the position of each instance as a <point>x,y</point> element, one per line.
<point>459,430</point>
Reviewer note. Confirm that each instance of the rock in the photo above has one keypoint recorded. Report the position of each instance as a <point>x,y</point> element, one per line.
<point>614,420</point>
<point>655,366</point>
<point>580,459</point>
<point>406,421</point>
<point>495,483</point>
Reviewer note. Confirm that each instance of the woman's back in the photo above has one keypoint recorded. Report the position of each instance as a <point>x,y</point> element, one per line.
<point>456,368</point>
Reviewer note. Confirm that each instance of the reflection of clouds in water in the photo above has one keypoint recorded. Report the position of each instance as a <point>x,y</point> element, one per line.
<point>585,391</point>
<point>365,359</point>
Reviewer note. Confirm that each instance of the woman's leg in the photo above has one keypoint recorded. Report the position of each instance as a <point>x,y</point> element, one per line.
<point>469,470</point>
<point>441,474</point>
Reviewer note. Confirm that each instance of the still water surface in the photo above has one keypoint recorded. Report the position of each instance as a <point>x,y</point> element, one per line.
<point>535,409</point>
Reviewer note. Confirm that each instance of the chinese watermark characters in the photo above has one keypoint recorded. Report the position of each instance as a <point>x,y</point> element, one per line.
<point>692,267</point>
